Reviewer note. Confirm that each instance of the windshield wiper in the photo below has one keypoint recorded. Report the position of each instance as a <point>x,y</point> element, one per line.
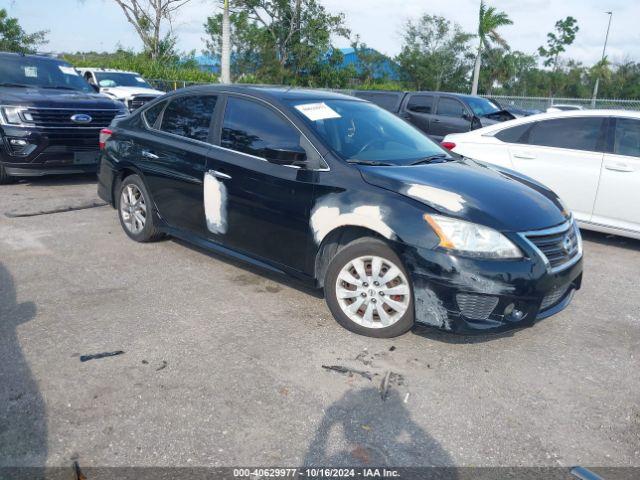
<point>59,87</point>
<point>371,163</point>
<point>437,158</point>
<point>3,84</point>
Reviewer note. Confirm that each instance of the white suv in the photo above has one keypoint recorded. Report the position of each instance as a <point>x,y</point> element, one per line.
<point>128,87</point>
<point>590,158</point>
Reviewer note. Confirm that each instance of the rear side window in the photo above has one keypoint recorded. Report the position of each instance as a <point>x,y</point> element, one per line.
<point>388,101</point>
<point>450,107</point>
<point>627,137</point>
<point>151,114</point>
<point>420,104</point>
<point>574,133</point>
<point>250,127</point>
<point>189,116</point>
<point>514,134</point>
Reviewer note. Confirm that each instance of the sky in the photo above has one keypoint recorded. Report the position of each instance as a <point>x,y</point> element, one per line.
<point>82,25</point>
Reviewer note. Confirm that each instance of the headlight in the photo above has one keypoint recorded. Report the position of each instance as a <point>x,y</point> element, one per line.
<point>471,239</point>
<point>15,115</point>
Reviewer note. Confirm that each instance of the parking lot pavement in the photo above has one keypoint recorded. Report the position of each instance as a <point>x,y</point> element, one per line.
<point>223,364</point>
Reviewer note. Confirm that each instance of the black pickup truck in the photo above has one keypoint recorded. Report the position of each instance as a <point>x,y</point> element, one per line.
<point>50,118</point>
<point>439,113</point>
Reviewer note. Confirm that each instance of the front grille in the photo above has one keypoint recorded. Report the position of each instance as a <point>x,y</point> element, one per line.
<point>476,307</point>
<point>139,100</point>
<point>54,117</point>
<point>554,297</point>
<point>558,246</point>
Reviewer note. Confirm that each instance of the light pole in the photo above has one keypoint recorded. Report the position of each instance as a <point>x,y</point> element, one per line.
<point>604,49</point>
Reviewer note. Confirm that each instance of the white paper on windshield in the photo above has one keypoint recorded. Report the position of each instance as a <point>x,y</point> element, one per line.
<point>140,79</point>
<point>67,70</point>
<point>317,111</point>
<point>31,72</point>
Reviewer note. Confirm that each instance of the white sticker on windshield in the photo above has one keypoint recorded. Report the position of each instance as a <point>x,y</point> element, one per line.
<point>67,70</point>
<point>31,72</point>
<point>140,79</point>
<point>317,111</point>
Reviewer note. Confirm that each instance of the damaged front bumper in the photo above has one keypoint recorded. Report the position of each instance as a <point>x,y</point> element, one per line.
<point>466,295</point>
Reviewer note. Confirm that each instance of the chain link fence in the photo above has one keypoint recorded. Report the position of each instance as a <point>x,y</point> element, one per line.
<point>526,103</point>
<point>542,103</point>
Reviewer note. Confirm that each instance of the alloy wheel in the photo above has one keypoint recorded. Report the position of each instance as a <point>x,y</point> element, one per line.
<point>133,209</point>
<point>373,292</point>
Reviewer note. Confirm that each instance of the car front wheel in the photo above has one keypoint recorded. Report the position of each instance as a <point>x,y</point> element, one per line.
<point>368,290</point>
<point>135,210</point>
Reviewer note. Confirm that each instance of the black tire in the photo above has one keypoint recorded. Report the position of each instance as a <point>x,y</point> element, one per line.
<point>5,178</point>
<point>150,232</point>
<point>363,247</point>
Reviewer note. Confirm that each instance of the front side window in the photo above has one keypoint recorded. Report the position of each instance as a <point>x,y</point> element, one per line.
<point>450,108</point>
<point>361,131</point>
<point>627,137</point>
<point>189,116</point>
<point>252,128</point>
<point>420,103</point>
<point>573,133</point>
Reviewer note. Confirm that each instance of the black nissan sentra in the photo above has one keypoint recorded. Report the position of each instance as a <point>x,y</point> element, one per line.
<point>343,195</point>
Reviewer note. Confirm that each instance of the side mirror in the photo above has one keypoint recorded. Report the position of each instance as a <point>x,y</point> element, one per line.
<point>475,123</point>
<point>95,87</point>
<point>286,155</point>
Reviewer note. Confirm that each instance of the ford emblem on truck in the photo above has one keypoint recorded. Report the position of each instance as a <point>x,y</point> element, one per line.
<point>81,118</point>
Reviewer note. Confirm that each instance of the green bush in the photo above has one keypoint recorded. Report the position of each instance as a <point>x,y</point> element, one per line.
<point>171,69</point>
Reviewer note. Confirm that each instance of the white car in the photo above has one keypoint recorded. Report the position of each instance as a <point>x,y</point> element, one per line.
<point>563,108</point>
<point>128,87</point>
<point>591,158</point>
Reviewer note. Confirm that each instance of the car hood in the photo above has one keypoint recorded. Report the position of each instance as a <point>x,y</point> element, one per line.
<point>476,192</point>
<point>50,98</point>
<point>126,92</point>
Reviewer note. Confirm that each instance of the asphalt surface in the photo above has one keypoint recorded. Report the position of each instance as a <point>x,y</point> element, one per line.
<point>222,364</point>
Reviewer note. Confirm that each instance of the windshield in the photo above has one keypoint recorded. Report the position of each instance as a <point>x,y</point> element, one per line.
<point>363,131</point>
<point>120,79</point>
<point>482,106</point>
<point>20,71</point>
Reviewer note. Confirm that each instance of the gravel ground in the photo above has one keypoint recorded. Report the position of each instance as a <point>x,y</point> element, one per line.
<point>222,364</point>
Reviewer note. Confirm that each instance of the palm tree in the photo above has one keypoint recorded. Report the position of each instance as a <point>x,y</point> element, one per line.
<point>489,20</point>
<point>225,60</point>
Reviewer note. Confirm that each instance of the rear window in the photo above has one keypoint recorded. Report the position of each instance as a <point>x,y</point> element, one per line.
<point>573,133</point>
<point>189,116</point>
<point>388,101</point>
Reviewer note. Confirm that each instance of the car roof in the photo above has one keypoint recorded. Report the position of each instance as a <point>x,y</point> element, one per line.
<point>278,94</point>
<point>25,55</point>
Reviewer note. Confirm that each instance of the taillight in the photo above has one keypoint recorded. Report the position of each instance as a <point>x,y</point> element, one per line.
<point>105,134</point>
<point>448,145</point>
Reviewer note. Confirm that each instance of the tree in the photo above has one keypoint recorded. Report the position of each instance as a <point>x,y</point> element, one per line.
<point>489,20</point>
<point>557,41</point>
<point>371,65</point>
<point>433,54</point>
<point>147,18</point>
<point>284,40</point>
<point>14,39</point>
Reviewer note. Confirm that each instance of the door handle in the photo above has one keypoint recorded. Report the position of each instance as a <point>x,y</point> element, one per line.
<point>619,167</point>
<point>220,175</point>
<point>149,155</point>
<point>435,120</point>
<point>524,156</point>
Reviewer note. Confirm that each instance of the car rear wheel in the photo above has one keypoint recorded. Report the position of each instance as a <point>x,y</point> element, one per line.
<point>5,178</point>
<point>368,290</point>
<point>135,210</point>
